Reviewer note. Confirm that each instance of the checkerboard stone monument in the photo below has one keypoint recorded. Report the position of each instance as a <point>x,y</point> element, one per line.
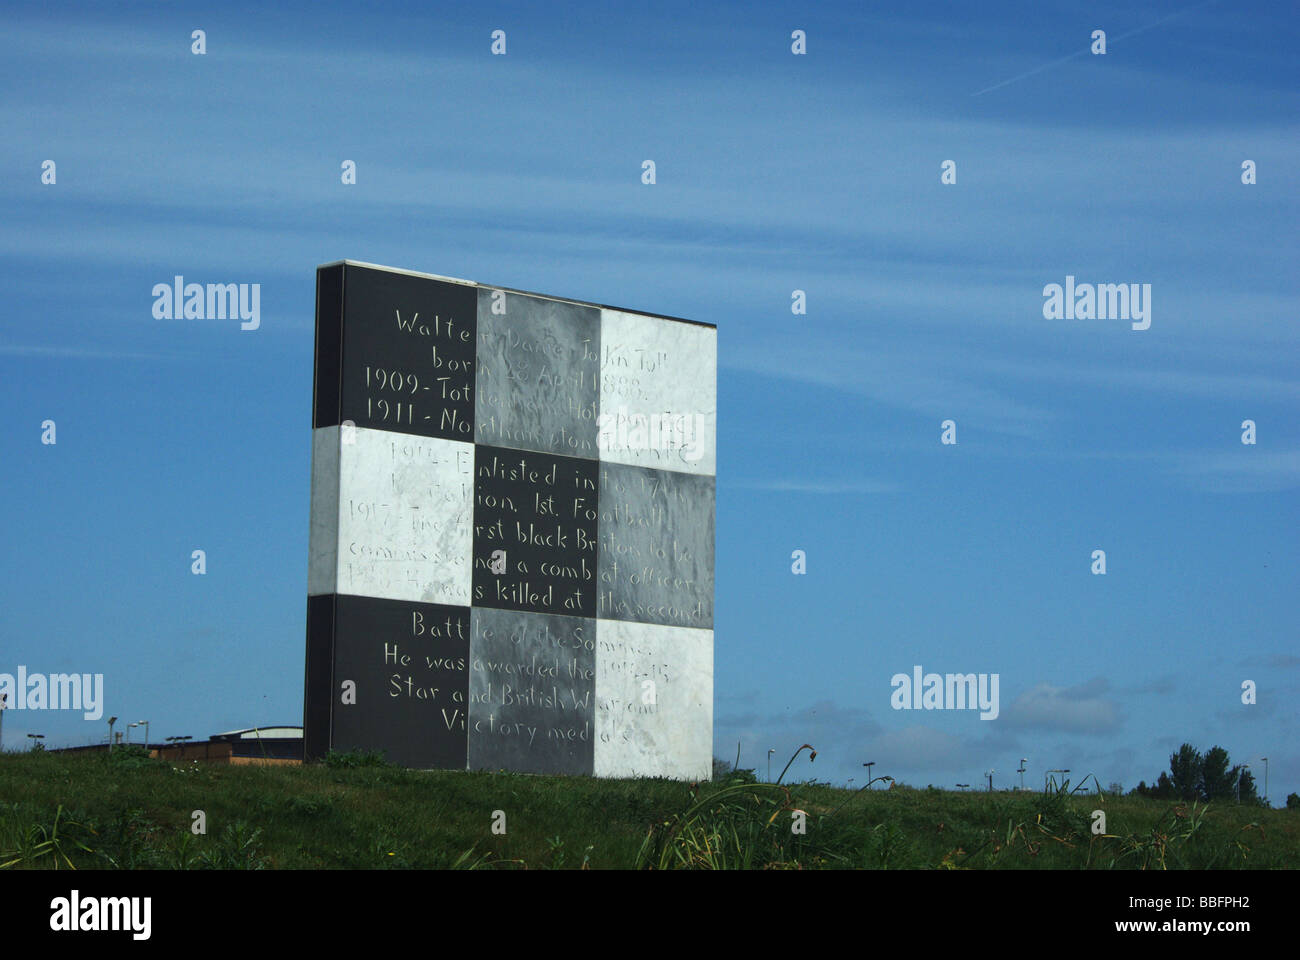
<point>512,530</point>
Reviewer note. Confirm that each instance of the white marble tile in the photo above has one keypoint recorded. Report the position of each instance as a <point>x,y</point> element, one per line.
<point>671,737</point>
<point>658,392</point>
<point>405,517</point>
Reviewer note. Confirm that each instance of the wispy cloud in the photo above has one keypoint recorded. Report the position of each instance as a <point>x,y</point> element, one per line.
<point>817,487</point>
<point>85,353</point>
<point>1248,470</point>
<point>1151,379</point>
<point>904,379</point>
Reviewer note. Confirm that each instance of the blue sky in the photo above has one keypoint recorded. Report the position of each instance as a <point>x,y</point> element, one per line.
<point>775,172</point>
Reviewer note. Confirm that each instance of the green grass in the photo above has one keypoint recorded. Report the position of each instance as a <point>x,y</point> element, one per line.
<point>60,812</point>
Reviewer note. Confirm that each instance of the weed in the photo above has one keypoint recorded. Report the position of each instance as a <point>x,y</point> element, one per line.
<point>36,844</point>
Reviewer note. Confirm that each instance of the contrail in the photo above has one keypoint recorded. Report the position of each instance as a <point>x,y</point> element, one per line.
<point>1079,53</point>
<point>1029,73</point>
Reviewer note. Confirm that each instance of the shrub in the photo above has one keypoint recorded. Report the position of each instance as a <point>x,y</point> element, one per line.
<point>356,758</point>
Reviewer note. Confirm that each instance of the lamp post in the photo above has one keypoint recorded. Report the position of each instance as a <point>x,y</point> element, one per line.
<point>139,723</point>
<point>1021,771</point>
<point>990,776</point>
<point>1265,760</point>
<point>111,721</point>
<point>770,751</point>
<point>4,704</point>
<point>1047,776</point>
<point>869,766</point>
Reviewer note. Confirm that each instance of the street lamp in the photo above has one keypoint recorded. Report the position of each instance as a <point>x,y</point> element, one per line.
<point>1265,759</point>
<point>869,766</point>
<point>1047,776</point>
<point>4,704</point>
<point>771,750</point>
<point>1021,771</point>
<point>990,776</point>
<point>139,723</point>
<point>111,721</point>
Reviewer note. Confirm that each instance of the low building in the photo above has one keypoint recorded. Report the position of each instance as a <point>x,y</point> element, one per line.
<point>262,744</point>
<point>254,745</point>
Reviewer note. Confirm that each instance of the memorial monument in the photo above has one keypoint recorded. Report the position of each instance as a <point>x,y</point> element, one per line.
<point>512,530</point>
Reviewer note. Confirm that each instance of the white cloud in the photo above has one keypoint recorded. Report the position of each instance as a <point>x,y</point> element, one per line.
<point>1078,709</point>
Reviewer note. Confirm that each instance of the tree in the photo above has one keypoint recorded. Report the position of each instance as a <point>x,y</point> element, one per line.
<point>1217,783</point>
<point>1208,777</point>
<point>723,770</point>
<point>1293,801</point>
<point>1162,789</point>
<point>1246,788</point>
<point>1185,772</point>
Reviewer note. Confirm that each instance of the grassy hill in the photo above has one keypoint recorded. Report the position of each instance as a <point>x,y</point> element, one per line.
<point>90,811</point>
